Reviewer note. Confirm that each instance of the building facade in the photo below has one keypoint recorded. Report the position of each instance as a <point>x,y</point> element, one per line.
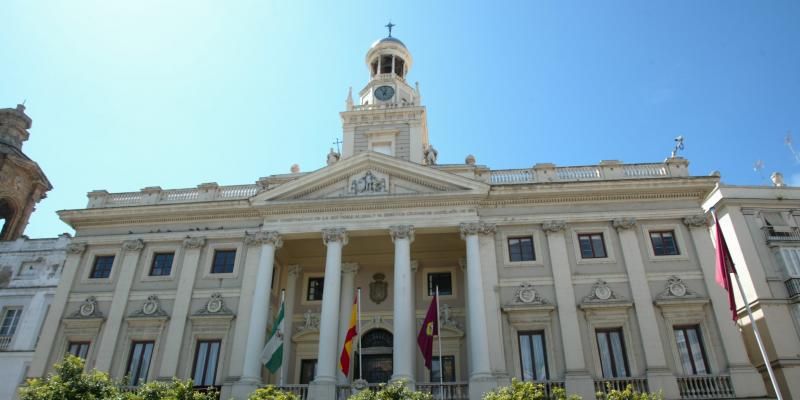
<point>571,276</point>
<point>763,234</point>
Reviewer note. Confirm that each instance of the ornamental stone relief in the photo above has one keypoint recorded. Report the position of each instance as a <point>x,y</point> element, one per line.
<point>88,309</point>
<point>676,288</point>
<point>264,237</point>
<point>401,232</point>
<point>368,184</point>
<point>150,308</point>
<point>696,221</point>
<point>133,245</point>
<point>477,228</point>
<point>194,242</point>
<point>378,288</point>
<point>76,248</point>
<point>310,321</point>
<point>623,223</point>
<point>554,226</point>
<point>334,235</point>
<point>526,294</point>
<point>214,306</point>
<point>601,293</point>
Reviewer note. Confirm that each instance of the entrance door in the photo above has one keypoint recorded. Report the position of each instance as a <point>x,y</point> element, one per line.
<point>376,354</point>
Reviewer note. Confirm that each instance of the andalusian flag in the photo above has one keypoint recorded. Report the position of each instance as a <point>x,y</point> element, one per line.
<point>272,356</point>
<point>430,328</point>
<point>347,349</point>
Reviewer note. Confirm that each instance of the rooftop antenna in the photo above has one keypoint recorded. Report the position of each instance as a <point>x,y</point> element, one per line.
<point>790,144</point>
<point>337,143</point>
<point>678,146</point>
<point>390,25</point>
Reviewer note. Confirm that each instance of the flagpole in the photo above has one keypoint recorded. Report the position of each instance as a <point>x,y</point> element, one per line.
<point>360,364</point>
<point>752,320</point>
<point>758,338</point>
<point>439,337</point>
<point>280,377</point>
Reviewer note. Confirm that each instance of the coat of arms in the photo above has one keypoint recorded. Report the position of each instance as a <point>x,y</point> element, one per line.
<point>377,288</point>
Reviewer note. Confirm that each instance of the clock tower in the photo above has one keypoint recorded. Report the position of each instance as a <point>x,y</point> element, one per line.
<point>388,117</point>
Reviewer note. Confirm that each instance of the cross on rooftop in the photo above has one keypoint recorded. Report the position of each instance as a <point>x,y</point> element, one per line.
<point>390,25</point>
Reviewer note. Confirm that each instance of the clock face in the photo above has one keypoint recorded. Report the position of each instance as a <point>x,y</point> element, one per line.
<point>384,93</point>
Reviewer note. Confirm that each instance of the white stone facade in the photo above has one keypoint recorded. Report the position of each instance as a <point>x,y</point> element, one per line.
<point>572,276</point>
<point>29,273</point>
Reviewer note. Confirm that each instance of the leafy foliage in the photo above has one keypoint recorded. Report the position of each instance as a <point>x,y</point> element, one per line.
<point>393,391</point>
<point>175,390</point>
<point>627,394</point>
<point>528,391</point>
<point>70,382</point>
<point>271,393</point>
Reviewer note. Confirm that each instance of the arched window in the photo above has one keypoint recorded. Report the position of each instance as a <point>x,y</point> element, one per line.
<point>7,213</point>
<point>377,338</point>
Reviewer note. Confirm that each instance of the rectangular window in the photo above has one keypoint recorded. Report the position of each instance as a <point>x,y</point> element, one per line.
<point>206,357</point>
<point>449,369</point>
<point>444,280</point>
<point>592,245</point>
<point>690,347</point>
<point>521,249</point>
<point>664,243</point>
<point>78,349</point>
<point>223,261</point>
<point>308,368</point>
<point>102,267</point>
<point>162,264</point>
<point>139,362</point>
<point>611,346</point>
<point>10,320</point>
<point>533,356</point>
<point>315,286</point>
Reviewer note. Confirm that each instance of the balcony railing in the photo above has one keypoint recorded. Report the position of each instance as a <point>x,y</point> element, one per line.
<point>793,287</point>
<point>5,342</point>
<point>781,233</point>
<point>446,391</point>
<point>602,385</point>
<point>605,170</point>
<point>705,387</point>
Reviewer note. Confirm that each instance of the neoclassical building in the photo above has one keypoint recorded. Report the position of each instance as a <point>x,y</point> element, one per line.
<point>571,276</point>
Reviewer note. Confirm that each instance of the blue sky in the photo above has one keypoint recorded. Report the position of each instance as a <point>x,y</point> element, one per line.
<point>173,94</point>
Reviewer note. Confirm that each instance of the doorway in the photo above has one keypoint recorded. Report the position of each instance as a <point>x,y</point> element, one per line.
<point>376,354</point>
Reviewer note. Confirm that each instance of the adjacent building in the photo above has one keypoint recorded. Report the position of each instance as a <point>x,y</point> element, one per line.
<point>578,276</point>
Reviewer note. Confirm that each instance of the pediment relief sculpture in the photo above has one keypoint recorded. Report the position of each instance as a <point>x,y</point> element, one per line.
<point>88,309</point>
<point>526,294</point>
<point>214,306</point>
<point>602,293</point>
<point>675,289</point>
<point>368,183</point>
<point>150,308</point>
<point>310,321</point>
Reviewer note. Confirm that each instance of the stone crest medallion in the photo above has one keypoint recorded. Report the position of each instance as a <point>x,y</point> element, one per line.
<point>378,288</point>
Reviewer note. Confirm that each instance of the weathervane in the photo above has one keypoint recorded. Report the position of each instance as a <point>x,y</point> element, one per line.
<point>678,146</point>
<point>390,25</point>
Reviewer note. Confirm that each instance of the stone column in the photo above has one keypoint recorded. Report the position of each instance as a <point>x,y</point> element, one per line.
<point>27,330</point>
<point>577,378</point>
<point>41,358</point>
<point>348,293</point>
<point>480,375</point>
<point>183,299</point>
<point>291,294</point>
<point>658,374</point>
<point>131,249</point>
<point>404,313</point>
<point>747,382</point>
<point>270,241</point>
<point>324,385</point>
<point>491,298</point>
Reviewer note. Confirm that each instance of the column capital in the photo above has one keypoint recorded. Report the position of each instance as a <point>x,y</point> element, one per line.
<point>264,237</point>
<point>194,242</point>
<point>554,226</point>
<point>623,223</point>
<point>696,221</point>
<point>414,265</point>
<point>76,248</point>
<point>295,270</point>
<point>402,232</point>
<point>476,228</point>
<point>349,268</point>
<point>133,245</point>
<point>335,235</point>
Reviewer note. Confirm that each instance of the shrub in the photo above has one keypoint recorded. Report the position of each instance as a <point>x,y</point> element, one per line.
<point>627,394</point>
<point>174,390</point>
<point>271,393</point>
<point>528,391</point>
<point>393,391</point>
<point>70,382</point>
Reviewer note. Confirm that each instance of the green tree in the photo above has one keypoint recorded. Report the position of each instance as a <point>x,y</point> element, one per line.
<point>393,391</point>
<point>528,391</point>
<point>70,382</point>
<point>271,393</point>
<point>174,390</point>
<point>627,394</point>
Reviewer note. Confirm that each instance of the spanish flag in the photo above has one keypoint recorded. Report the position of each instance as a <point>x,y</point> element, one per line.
<point>344,360</point>
<point>430,328</point>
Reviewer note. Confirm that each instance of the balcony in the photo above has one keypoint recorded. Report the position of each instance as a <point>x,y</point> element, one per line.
<point>774,234</point>
<point>603,385</point>
<point>793,287</point>
<point>606,170</point>
<point>705,387</point>
<point>5,342</point>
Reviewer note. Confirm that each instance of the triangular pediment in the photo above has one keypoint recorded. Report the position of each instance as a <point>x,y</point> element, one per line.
<point>371,174</point>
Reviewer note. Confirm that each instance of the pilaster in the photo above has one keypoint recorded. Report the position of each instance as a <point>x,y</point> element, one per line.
<point>289,302</point>
<point>131,250</point>
<point>348,293</point>
<point>180,310</point>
